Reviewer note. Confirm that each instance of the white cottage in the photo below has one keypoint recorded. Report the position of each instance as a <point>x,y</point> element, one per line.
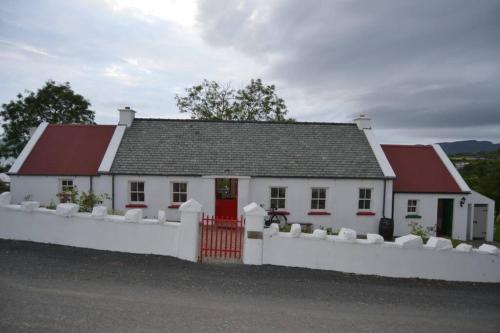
<point>331,175</point>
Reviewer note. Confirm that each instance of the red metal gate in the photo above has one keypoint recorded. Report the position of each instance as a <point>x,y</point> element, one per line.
<point>221,237</point>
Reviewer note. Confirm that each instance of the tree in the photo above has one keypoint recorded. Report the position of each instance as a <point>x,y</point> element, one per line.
<point>55,103</point>
<point>212,101</point>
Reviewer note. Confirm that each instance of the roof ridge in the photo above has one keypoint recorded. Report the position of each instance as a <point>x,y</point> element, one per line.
<point>245,121</point>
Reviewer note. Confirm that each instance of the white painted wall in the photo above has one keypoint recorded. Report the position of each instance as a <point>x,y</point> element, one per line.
<point>342,201</point>
<point>428,205</point>
<point>158,193</point>
<point>387,259</point>
<point>111,233</point>
<point>44,189</point>
<point>342,196</point>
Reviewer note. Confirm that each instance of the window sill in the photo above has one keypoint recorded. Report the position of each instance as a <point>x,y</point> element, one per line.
<point>174,206</point>
<point>319,213</point>
<point>278,212</point>
<point>365,213</point>
<point>413,216</point>
<point>136,206</point>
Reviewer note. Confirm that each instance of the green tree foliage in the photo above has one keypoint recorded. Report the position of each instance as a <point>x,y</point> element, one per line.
<point>213,101</point>
<point>55,103</point>
<point>482,174</point>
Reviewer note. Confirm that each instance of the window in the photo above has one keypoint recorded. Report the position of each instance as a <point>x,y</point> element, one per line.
<point>67,185</point>
<point>278,196</point>
<point>318,198</point>
<point>412,206</point>
<point>136,191</point>
<point>179,192</point>
<point>365,198</point>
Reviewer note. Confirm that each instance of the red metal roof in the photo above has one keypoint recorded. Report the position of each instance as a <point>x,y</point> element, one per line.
<point>68,150</point>
<point>419,169</point>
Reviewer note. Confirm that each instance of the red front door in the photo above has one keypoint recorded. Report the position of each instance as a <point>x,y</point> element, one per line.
<point>226,197</point>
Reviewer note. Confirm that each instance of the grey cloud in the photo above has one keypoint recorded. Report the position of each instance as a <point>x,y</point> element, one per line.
<point>407,63</point>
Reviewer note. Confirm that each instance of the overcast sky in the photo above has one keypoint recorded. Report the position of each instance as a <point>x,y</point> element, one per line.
<point>425,71</point>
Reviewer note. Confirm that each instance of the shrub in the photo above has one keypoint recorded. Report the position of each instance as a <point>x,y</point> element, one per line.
<point>418,230</point>
<point>88,200</point>
<point>85,200</point>
<point>68,196</point>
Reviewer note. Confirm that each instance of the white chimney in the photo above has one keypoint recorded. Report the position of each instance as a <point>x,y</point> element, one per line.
<point>363,122</point>
<point>126,116</point>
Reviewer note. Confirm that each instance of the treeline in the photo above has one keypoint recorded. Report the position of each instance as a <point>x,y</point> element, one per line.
<point>482,173</point>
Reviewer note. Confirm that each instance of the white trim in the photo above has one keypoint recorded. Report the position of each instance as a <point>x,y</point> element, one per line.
<point>172,191</point>
<point>66,179</point>
<point>382,160</point>
<point>451,168</point>
<point>365,199</point>
<point>278,198</point>
<point>417,206</point>
<point>28,148</point>
<point>129,192</point>
<point>318,199</point>
<point>114,143</point>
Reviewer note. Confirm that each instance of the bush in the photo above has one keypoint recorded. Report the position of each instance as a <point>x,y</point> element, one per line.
<point>88,200</point>
<point>85,200</point>
<point>418,230</point>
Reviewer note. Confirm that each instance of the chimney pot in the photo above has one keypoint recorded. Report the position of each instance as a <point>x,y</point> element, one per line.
<point>363,122</point>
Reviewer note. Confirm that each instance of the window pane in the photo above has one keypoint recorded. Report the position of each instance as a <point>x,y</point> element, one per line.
<point>274,192</point>
<point>133,186</point>
<point>321,204</point>
<point>183,197</point>
<point>175,197</point>
<point>141,196</point>
<point>133,196</point>
<point>183,187</point>
<point>176,187</point>
<point>368,193</point>
<point>140,186</point>
<point>361,204</point>
<point>282,192</point>
<point>314,204</point>
<point>322,193</point>
<point>281,203</point>
<point>273,203</point>
<point>361,193</point>
<point>314,193</point>
<point>367,204</point>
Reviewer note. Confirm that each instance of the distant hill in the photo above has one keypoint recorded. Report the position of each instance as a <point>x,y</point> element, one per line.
<point>468,147</point>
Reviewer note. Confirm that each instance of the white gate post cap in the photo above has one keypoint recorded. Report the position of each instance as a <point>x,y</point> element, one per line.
<point>191,205</point>
<point>254,210</point>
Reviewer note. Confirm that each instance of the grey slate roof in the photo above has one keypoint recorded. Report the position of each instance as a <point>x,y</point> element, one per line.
<point>265,149</point>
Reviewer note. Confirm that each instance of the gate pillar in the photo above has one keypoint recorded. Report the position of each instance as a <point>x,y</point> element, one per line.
<point>254,230</point>
<point>187,243</point>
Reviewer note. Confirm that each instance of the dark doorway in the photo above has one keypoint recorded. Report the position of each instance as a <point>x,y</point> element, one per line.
<point>226,197</point>
<point>445,217</point>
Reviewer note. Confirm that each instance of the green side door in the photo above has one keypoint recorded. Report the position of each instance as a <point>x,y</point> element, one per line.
<point>447,217</point>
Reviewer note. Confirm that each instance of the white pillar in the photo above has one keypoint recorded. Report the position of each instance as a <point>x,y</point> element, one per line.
<point>187,244</point>
<point>254,232</point>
